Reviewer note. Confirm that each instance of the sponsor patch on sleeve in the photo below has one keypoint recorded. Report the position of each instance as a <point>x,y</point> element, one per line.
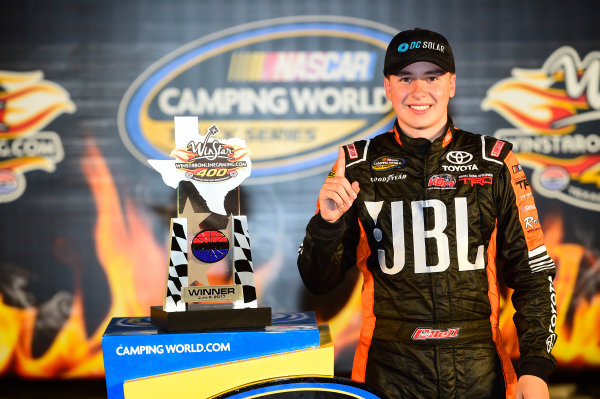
<point>352,153</point>
<point>497,148</point>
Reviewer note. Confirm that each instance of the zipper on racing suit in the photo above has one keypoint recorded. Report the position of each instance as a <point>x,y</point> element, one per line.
<point>431,275</point>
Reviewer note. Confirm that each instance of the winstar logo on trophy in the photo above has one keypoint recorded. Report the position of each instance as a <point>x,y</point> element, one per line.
<point>208,233</point>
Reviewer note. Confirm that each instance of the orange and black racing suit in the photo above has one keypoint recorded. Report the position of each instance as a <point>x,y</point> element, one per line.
<point>435,226</point>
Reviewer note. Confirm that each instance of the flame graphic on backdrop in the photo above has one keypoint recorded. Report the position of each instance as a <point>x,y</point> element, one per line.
<point>345,325</point>
<point>27,164</point>
<point>545,105</point>
<point>528,102</point>
<point>585,168</point>
<point>30,103</point>
<point>135,266</point>
<point>578,341</point>
<point>27,104</point>
<point>124,250</point>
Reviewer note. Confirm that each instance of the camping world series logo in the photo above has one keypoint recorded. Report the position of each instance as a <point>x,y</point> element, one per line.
<point>294,89</point>
<point>555,111</point>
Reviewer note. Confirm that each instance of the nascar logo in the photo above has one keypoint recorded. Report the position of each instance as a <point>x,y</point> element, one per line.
<point>304,66</point>
<point>294,89</point>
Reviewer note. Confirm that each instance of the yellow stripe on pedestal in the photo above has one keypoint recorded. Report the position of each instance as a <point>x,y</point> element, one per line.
<point>205,382</point>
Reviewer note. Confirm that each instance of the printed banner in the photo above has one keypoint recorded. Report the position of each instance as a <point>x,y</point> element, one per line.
<point>88,95</point>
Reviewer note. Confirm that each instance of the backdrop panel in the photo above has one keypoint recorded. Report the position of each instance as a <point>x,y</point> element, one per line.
<point>88,91</point>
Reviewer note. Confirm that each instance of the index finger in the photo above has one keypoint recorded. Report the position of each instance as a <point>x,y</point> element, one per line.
<point>340,167</point>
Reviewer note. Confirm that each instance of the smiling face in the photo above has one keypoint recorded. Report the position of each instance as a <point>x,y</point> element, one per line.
<point>419,94</point>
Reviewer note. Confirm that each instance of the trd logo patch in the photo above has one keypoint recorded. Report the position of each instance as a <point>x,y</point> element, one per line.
<point>476,180</point>
<point>523,183</point>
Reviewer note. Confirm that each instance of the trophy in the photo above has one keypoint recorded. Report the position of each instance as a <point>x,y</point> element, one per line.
<point>210,279</point>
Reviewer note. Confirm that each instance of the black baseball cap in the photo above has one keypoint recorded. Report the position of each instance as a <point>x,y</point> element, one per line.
<point>417,45</point>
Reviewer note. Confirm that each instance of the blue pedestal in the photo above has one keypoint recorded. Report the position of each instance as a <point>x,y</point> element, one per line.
<point>133,348</point>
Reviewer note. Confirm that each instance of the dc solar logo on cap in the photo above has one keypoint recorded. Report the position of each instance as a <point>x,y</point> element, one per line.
<point>416,45</point>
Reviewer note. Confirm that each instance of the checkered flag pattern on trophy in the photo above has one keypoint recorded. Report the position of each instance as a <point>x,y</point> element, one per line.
<point>178,264</point>
<point>242,264</point>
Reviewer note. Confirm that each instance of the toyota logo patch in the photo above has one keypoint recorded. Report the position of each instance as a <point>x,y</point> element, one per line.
<point>459,157</point>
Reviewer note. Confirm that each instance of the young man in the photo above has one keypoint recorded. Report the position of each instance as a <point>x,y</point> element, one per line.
<point>434,217</point>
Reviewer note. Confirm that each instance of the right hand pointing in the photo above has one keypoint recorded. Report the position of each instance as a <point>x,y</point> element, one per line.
<point>337,194</point>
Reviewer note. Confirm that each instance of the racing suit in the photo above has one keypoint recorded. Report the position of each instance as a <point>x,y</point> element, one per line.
<point>434,228</point>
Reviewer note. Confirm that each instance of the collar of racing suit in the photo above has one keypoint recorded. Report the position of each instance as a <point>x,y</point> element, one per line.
<point>422,145</point>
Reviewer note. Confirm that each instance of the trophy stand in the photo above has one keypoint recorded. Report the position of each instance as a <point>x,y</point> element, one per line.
<point>210,279</point>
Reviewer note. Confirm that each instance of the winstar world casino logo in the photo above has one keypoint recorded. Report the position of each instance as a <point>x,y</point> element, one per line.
<point>555,111</point>
<point>27,104</point>
<point>294,89</point>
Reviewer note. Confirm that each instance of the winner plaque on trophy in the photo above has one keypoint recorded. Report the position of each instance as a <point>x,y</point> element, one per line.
<point>210,279</point>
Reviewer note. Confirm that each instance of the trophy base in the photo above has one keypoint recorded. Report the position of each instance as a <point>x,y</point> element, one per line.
<point>212,318</point>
